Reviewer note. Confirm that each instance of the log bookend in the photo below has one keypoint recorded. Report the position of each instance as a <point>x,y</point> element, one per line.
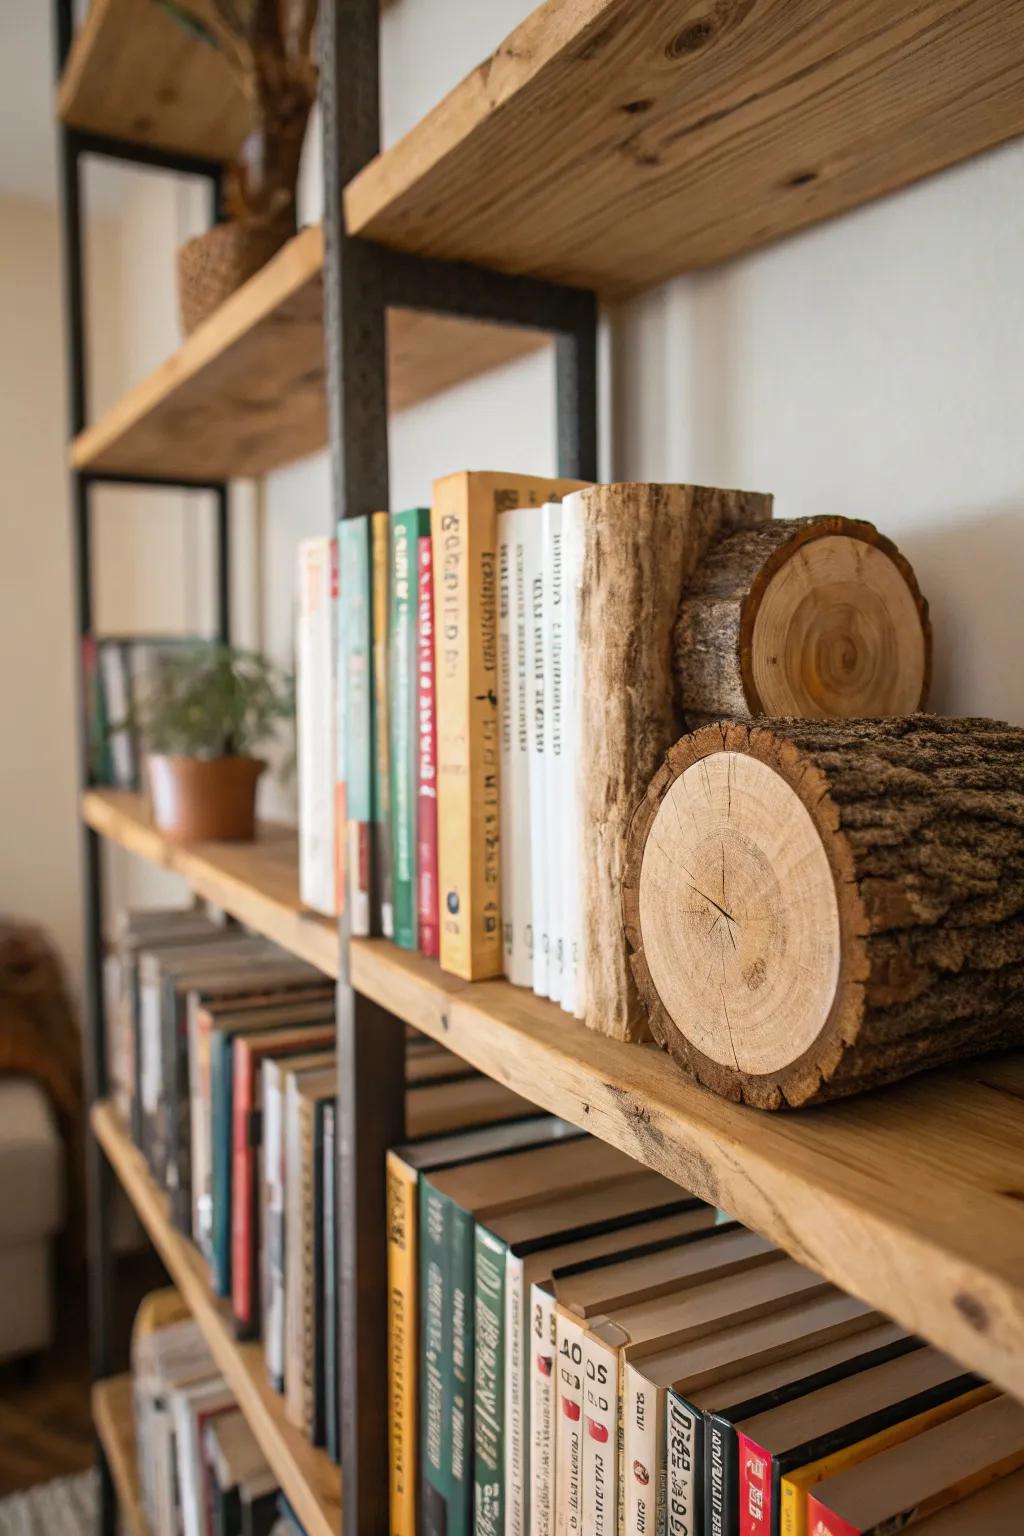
<point>818,617</point>
<point>815,908</point>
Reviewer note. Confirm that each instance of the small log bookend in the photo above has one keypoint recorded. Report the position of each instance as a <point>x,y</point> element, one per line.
<point>819,617</point>
<point>815,908</point>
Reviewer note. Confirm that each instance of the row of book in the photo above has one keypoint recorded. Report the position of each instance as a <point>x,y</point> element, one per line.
<point>437,669</point>
<point>200,1470</point>
<point>577,1346</point>
<point>224,1067</point>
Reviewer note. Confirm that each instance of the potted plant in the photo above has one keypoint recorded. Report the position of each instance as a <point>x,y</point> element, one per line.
<point>203,715</point>
<point>267,44</point>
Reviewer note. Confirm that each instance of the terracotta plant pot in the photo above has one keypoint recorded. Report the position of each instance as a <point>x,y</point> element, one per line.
<point>204,800</point>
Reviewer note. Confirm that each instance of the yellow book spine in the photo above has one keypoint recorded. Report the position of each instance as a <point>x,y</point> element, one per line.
<point>464,533</point>
<point>793,1488</point>
<point>402,1343</point>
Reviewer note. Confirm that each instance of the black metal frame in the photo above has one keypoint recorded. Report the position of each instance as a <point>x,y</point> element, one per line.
<point>73,145</point>
<point>361,281</point>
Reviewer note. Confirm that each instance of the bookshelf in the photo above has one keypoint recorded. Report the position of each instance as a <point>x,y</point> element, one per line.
<point>621,145</point>
<point>245,393</point>
<point>845,1188</point>
<point>113,1413</point>
<point>618,147</point>
<point>309,1480</point>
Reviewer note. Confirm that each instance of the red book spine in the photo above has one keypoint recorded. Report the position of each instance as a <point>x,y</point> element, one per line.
<point>822,1522</point>
<point>241,1182</point>
<point>755,1487</point>
<point>426,777</point>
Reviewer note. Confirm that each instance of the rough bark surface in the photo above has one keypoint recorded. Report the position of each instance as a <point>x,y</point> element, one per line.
<point>642,544</point>
<point>715,639</point>
<point>923,822</point>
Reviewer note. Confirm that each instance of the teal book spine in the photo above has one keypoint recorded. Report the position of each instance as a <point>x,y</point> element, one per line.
<point>406,529</point>
<point>220,1159</point>
<point>356,666</point>
<point>489,1385</point>
<point>435,1363</point>
<point>461,1233</point>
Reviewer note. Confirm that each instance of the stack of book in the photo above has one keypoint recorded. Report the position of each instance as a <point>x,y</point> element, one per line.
<point>576,1345</point>
<point>230,1095</point>
<point>201,1472</point>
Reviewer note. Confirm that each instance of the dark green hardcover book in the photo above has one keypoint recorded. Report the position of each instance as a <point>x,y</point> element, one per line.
<point>330,1350</point>
<point>461,1231</point>
<point>435,1363</point>
<point>221,1115</point>
<point>489,1385</point>
<point>406,529</point>
<point>380,610</point>
<point>319,1436</point>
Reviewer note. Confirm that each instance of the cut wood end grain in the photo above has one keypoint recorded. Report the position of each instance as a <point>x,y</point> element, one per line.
<point>815,908</point>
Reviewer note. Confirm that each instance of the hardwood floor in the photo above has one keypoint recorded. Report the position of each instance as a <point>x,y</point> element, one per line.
<point>45,1420</point>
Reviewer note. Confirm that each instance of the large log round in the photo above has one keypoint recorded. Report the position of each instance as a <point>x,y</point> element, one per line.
<point>817,617</point>
<point>814,908</point>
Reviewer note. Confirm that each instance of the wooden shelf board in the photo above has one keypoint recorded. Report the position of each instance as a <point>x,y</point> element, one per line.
<point>614,145</point>
<point>310,1481</point>
<point>113,1413</point>
<point>256,882</point>
<point>910,1198</point>
<point>245,393</point>
<point>134,74</point>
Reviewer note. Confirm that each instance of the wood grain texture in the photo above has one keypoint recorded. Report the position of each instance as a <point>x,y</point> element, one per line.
<point>246,392</point>
<point>641,545</point>
<point>113,1412</point>
<point>813,616</point>
<point>613,145</point>
<point>133,73</point>
<point>309,1480</point>
<point>915,956</point>
<point>256,882</point>
<point>909,1199</point>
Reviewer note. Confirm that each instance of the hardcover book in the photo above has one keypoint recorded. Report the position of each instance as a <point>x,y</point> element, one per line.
<point>356,746</point>
<point>428,916</point>
<point>321,793</point>
<point>516,880</point>
<point>406,530</point>
<point>381,550</point>
<point>464,530</point>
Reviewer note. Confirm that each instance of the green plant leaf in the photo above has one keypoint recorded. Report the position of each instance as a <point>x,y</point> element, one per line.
<point>211,700</point>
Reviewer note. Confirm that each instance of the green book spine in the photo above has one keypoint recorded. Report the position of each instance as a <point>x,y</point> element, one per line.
<point>435,1363</point>
<point>489,1386</point>
<point>355,664</point>
<point>406,528</point>
<point>461,1247</point>
<point>220,1158</point>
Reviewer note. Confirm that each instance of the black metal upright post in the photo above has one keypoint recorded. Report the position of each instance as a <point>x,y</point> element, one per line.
<point>371,1042</point>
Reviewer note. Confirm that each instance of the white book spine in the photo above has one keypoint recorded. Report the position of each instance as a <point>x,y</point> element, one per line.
<point>315,707</point>
<point>643,1454</point>
<point>274,1236</point>
<point>188,1494</point>
<point>540,864</point>
<point>600,1438</point>
<point>543,1345</point>
<point>568,1420</point>
<point>515,1399</point>
<point>292,1265</point>
<point>521,814</point>
<point>515,847</point>
<point>553,698</point>
<point>681,1477</point>
<point>569,831</point>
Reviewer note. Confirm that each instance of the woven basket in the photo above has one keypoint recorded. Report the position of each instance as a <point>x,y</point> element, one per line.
<point>214,264</point>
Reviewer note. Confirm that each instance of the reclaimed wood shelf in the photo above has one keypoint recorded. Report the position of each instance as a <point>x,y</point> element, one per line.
<point>258,883</point>
<point>245,393</point>
<point>308,1478</point>
<point>911,1198</point>
<point>614,145</point>
<point>133,73</point>
<point>113,1414</point>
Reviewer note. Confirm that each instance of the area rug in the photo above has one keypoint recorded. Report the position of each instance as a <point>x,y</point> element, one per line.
<point>64,1507</point>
